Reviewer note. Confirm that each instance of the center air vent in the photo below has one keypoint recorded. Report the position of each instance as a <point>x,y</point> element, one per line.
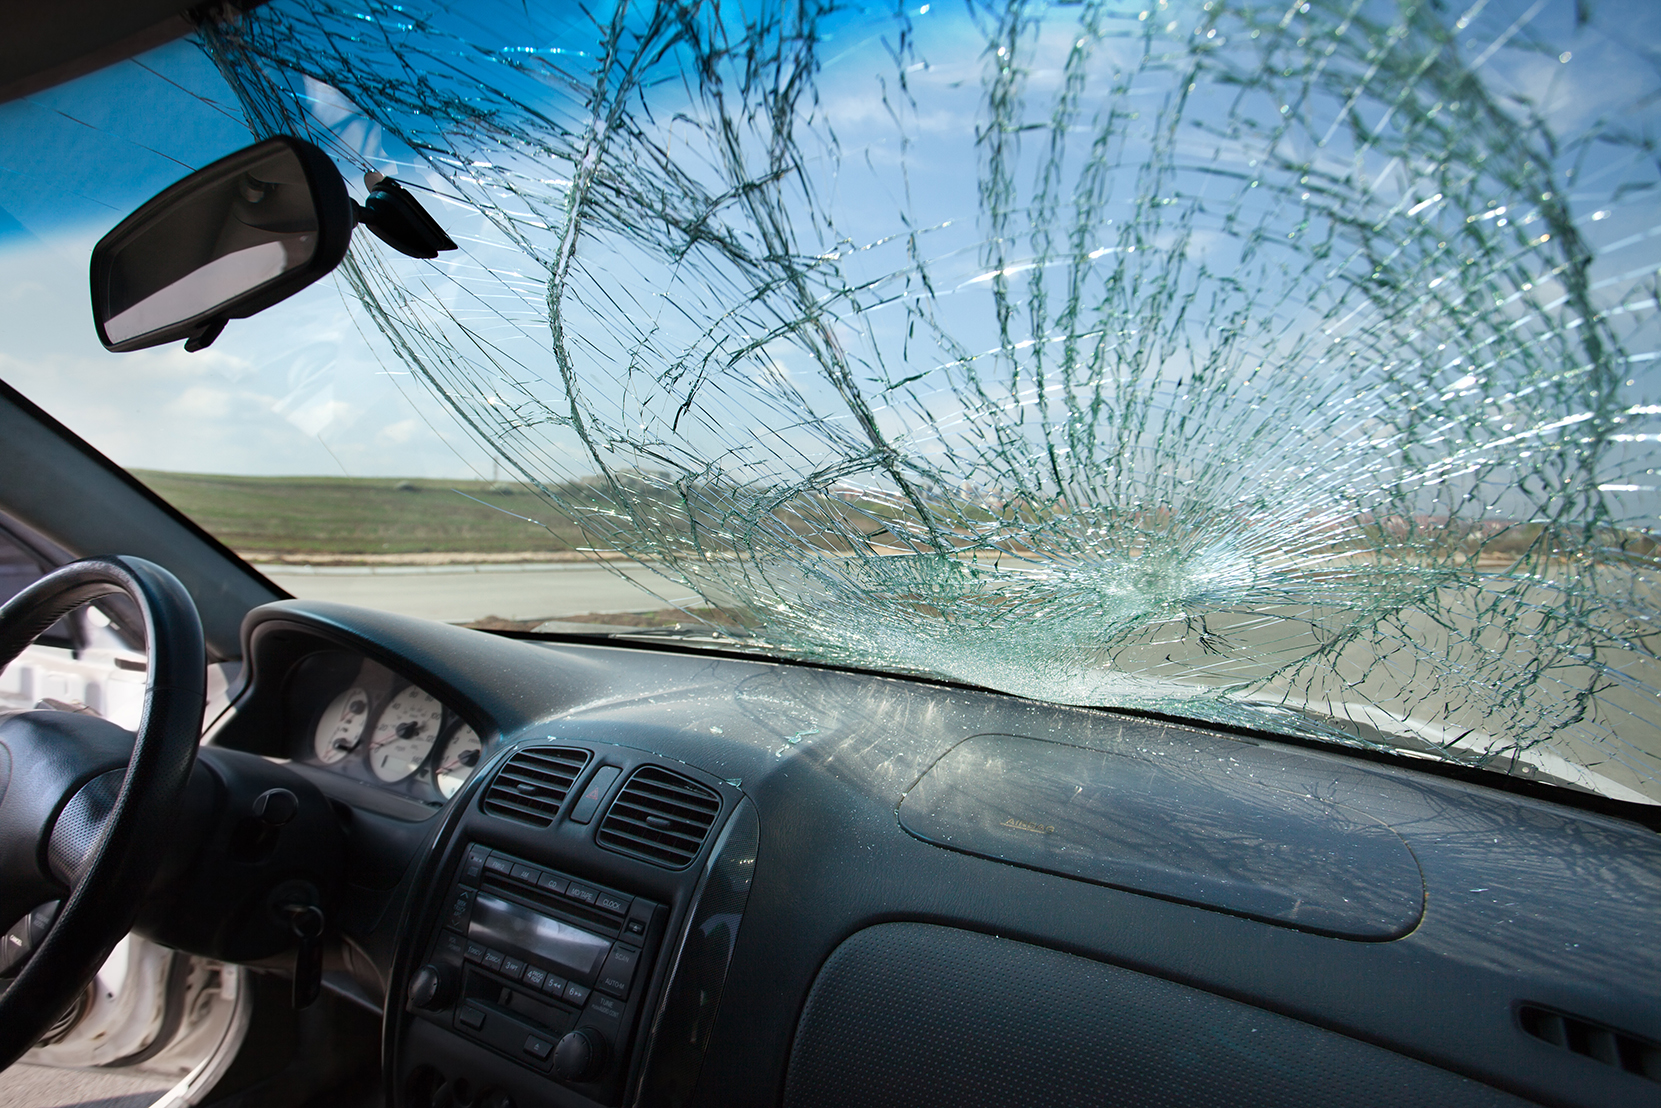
<point>660,817</point>
<point>532,786</point>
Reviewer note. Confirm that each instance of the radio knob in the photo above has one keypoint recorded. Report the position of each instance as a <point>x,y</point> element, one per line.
<point>580,1056</point>
<point>432,987</point>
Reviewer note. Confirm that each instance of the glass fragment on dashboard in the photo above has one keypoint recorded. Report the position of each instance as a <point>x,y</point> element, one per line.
<point>1289,367</point>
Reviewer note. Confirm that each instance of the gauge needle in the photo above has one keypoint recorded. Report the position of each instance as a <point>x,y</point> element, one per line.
<point>467,758</point>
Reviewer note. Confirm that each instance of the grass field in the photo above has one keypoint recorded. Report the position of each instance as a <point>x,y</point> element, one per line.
<point>298,516</point>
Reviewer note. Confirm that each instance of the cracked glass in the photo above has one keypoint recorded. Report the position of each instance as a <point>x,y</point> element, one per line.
<point>1282,366</point>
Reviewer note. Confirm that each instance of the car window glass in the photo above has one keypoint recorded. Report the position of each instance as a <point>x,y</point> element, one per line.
<point>1279,367</point>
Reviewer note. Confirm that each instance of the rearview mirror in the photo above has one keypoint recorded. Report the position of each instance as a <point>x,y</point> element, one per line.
<point>230,240</point>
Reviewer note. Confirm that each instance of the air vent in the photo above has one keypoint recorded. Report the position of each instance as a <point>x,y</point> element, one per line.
<point>660,817</point>
<point>1606,1045</point>
<point>532,786</point>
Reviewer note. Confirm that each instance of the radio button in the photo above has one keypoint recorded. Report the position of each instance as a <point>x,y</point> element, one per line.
<point>526,874</point>
<point>576,994</point>
<point>493,960</point>
<point>618,971</point>
<point>475,952</point>
<point>582,893</point>
<point>513,967</point>
<point>534,977</point>
<point>555,986</point>
<point>608,903</point>
<point>458,909</point>
<point>553,883</point>
<point>603,1007</point>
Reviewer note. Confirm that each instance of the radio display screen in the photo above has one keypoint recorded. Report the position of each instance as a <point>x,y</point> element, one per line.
<point>576,952</point>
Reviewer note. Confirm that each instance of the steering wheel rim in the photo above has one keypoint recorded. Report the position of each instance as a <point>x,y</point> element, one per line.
<point>101,851</point>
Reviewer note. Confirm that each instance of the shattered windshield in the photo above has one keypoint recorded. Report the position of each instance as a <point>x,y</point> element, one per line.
<point>1285,366</point>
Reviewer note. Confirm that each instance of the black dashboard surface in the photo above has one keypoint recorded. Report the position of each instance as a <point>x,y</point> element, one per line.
<point>1522,905</point>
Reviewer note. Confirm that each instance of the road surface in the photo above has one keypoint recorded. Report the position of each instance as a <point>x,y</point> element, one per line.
<point>463,593</point>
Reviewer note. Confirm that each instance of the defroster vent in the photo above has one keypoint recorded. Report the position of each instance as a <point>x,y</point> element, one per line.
<point>532,786</point>
<point>660,817</point>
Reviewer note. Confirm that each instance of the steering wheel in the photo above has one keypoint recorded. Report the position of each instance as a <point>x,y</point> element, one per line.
<point>85,807</point>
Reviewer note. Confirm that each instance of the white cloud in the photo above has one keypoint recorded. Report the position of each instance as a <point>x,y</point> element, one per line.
<point>200,402</point>
<point>400,432</point>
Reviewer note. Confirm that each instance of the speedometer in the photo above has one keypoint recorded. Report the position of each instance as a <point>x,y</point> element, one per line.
<point>404,736</point>
<point>457,760</point>
<point>341,728</point>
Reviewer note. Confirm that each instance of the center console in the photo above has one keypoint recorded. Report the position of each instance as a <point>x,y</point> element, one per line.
<point>560,921</point>
<point>539,966</point>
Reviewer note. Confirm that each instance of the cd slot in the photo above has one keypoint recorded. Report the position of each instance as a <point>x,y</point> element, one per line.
<point>556,1019</point>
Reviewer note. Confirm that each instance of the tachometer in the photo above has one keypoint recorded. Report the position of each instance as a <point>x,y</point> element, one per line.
<point>341,728</point>
<point>457,760</point>
<point>404,736</point>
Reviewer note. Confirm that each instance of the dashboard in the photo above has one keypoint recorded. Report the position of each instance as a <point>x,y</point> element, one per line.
<point>579,873</point>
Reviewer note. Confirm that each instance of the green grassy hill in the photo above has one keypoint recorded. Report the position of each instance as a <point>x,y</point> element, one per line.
<point>266,516</point>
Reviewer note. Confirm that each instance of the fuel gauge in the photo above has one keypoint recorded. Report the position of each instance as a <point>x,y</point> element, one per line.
<point>340,729</point>
<point>457,761</point>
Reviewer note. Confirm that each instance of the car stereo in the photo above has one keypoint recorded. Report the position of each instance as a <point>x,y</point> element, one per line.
<point>539,965</point>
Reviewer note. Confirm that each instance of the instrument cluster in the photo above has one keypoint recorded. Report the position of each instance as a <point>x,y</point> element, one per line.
<point>360,719</point>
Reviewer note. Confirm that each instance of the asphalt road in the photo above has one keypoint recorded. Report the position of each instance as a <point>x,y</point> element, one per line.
<point>462,593</point>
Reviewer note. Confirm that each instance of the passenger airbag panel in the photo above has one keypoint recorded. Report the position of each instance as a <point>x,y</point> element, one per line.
<point>1161,822</point>
<point>908,1015</point>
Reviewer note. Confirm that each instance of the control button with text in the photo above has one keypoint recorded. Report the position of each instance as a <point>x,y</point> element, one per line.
<point>526,874</point>
<point>474,864</point>
<point>534,977</point>
<point>609,903</point>
<point>476,952</point>
<point>493,960</point>
<point>458,909</point>
<point>603,1009</point>
<point>618,971</point>
<point>513,967</point>
<point>499,864</point>
<point>553,882</point>
<point>582,893</point>
<point>576,994</point>
<point>554,986</point>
